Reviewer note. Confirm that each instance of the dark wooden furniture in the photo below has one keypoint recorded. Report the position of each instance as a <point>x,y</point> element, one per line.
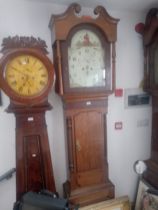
<point>150,40</point>
<point>28,93</point>
<point>84,59</point>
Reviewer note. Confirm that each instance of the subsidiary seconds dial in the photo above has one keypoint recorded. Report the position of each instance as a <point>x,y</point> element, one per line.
<point>26,75</point>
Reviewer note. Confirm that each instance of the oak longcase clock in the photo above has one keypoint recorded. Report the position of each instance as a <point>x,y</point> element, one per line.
<point>26,76</point>
<point>84,59</point>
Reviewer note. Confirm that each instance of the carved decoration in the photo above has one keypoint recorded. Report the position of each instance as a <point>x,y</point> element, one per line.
<point>102,19</point>
<point>73,8</point>
<point>23,42</point>
<point>101,11</point>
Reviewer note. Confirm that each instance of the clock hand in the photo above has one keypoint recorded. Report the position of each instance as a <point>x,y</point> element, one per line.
<point>29,83</point>
<point>26,73</point>
<point>17,70</point>
<point>25,81</point>
<point>28,70</point>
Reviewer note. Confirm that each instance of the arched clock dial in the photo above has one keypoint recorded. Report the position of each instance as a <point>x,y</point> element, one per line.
<point>86,60</point>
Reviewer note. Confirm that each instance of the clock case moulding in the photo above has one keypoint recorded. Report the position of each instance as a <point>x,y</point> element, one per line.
<point>85,108</point>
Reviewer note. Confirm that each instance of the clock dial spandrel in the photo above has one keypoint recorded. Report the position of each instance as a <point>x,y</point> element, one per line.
<point>86,60</point>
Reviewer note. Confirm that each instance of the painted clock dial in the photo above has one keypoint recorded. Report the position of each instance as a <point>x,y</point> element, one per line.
<point>26,75</point>
<point>86,60</point>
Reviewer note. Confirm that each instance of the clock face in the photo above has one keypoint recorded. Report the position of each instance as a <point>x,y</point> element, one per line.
<point>86,60</point>
<point>26,75</point>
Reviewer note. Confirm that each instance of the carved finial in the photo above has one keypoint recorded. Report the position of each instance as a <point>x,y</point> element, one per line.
<point>73,8</point>
<point>23,42</point>
<point>76,7</point>
<point>101,11</point>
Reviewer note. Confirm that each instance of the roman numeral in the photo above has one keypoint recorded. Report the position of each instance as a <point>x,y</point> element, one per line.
<point>14,83</point>
<point>20,89</point>
<point>42,83</point>
<point>27,60</point>
<point>40,68</point>
<point>19,62</point>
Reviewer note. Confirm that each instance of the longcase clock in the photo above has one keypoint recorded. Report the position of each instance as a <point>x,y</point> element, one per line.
<point>84,59</point>
<point>26,76</point>
<point>150,42</point>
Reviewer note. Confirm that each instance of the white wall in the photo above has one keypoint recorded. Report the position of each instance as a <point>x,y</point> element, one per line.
<point>132,142</point>
<point>26,18</point>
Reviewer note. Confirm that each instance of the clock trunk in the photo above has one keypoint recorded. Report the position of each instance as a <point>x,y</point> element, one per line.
<point>87,152</point>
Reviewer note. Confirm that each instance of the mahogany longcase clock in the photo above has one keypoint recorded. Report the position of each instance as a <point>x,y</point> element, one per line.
<point>26,76</point>
<point>84,59</point>
<point>150,41</point>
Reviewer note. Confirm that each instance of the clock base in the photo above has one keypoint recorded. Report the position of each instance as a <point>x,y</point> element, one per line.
<point>89,195</point>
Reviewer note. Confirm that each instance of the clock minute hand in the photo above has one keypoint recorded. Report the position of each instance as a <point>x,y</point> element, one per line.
<point>18,70</point>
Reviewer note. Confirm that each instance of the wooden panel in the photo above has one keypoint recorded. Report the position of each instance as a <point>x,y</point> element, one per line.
<point>86,104</point>
<point>92,194</point>
<point>87,147</point>
<point>89,138</point>
<point>33,160</point>
<point>90,177</point>
<point>70,143</point>
<point>154,152</point>
<point>33,163</point>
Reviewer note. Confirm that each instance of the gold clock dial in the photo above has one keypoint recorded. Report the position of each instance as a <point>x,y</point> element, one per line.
<point>26,75</point>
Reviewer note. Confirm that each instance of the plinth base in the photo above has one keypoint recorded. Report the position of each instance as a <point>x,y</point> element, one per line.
<point>92,194</point>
